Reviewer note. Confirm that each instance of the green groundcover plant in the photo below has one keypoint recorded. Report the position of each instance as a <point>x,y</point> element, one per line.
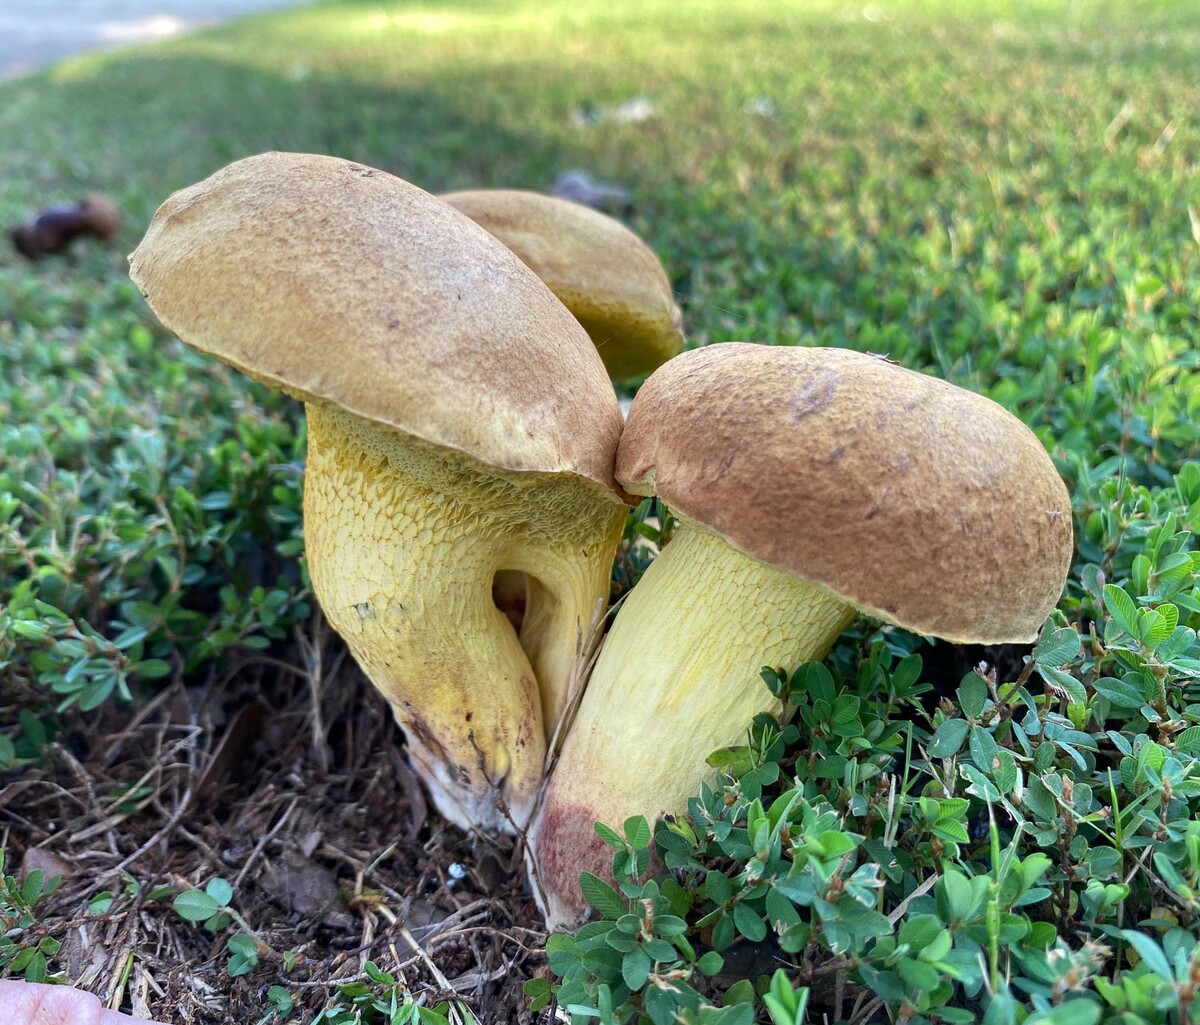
<point>1003,198</point>
<point>1026,850</point>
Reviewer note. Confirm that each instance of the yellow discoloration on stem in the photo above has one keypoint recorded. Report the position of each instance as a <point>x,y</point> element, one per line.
<point>677,678</point>
<point>404,540</point>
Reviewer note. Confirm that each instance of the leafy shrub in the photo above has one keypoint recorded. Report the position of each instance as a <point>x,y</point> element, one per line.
<point>1027,851</point>
<point>22,951</point>
<point>128,558</point>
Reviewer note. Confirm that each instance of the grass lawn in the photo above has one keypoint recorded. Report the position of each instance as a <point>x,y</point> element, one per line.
<point>999,192</point>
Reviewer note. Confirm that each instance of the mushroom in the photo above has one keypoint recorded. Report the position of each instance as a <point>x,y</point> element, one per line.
<point>460,425</point>
<point>603,273</point>
<point>811,485</point>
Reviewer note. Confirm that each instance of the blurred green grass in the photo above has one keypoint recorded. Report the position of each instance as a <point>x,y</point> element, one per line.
<point>998,192</point>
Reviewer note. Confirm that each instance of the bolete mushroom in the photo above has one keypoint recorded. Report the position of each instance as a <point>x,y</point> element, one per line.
<point>602,272</point>
<point>812,486</point>
<point>460,424</point>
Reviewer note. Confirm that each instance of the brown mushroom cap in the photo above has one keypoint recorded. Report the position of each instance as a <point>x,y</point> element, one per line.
<point>921,503</point>
<point>333,281</point>
<point>600,270</point>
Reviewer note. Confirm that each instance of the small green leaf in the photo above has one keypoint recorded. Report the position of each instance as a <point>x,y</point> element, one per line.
<point>151,669</point>
<point>281,997</point>
<point>917,974</point>
<point>948,738</point>
<point>972,695</point>
<point>1152,629</point>
<point>601,896</point>
<point>635,969</point>
<point>31,889</point>
<point>919,931</point>
<point>1120,608</point>
<point>1187,742</point>
<point>661,1005</point>
<point>960,901</point>
<point>373,972</point>
<point>984,751</point>
<point>637,832</point>
<point>1119,692</point>
<point>1079,1011</point>
<point>950,829</point>
<point>1005,771</point>
<point>1063,682</point>
<point>1150,952</point>
<point>35,969</point>
<point>220,891</point>
<point>1057,647</point>
<point>195,906</point>
<point>246,945</point>
<point>749,923</point>
<point>906,673</point>
<point>609,836</point>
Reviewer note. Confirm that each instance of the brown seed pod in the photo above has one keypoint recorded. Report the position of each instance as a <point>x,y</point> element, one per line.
<point>53,229</point>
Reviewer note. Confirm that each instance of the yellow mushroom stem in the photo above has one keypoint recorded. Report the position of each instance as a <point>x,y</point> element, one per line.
<point>677,678</point>
<point>404,540</point>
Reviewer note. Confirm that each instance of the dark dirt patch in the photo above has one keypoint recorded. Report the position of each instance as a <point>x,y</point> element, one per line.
<point>332,855</point>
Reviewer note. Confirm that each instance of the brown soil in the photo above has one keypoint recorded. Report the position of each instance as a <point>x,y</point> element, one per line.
<point>316,821</point>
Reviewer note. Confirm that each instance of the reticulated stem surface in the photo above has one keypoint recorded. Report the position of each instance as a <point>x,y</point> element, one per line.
<point>404,540</point>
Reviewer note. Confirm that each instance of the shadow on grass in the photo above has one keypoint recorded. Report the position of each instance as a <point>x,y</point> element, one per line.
<point>140,127</point>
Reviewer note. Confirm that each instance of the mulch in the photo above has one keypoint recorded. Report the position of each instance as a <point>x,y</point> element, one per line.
<point>286,776</point>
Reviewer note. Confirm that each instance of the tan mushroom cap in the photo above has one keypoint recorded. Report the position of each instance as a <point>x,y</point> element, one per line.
<point>921,503</point>
<point>601,271</point>
<point>334,281</point>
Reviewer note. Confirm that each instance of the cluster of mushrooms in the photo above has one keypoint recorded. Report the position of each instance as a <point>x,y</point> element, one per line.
<point>469,473</point>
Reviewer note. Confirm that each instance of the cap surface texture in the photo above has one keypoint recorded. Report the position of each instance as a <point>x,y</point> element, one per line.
<point>337,282</point>
<point>922,503</point>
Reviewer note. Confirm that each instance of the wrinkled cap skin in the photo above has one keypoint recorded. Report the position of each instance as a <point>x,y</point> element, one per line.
<point>923,504</point>
<point>336,282</point>
<point>601,271</point>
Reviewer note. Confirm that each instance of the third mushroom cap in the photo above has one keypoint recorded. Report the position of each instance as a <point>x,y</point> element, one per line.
<point>601,271</point>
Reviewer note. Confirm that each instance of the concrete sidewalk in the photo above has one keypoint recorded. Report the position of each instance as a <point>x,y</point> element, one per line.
<point>36,32</point>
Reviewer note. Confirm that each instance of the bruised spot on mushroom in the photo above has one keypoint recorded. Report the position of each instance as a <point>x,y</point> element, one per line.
<point>834,456</point>
<point>566,838</point>
<point>427,737</point>
<point>812,396</point>
<point>525,735</point>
